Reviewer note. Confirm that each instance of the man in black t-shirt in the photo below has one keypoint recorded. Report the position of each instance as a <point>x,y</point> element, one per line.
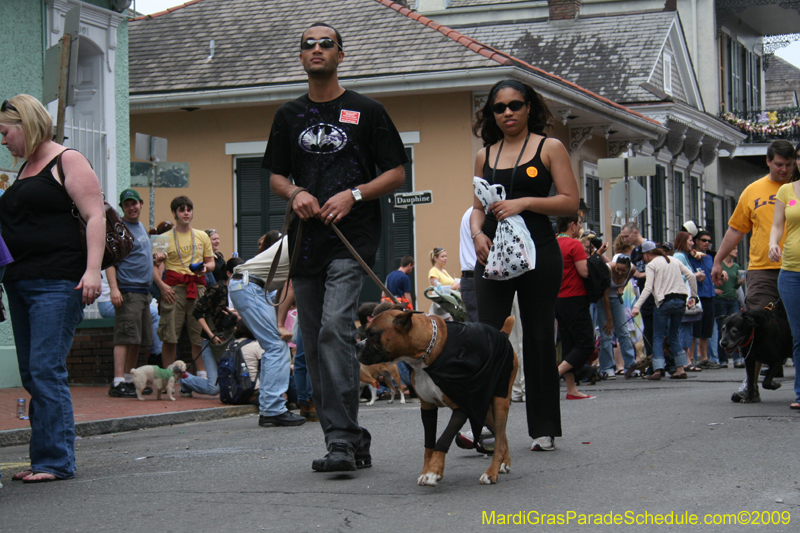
<point>331,141</point>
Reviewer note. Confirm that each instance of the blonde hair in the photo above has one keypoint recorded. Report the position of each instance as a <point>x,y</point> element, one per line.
<point>621,246</point>
<point>435,253</point>
<point>32,118</point>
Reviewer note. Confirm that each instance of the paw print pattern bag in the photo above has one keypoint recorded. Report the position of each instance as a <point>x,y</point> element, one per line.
<point>513,252</point>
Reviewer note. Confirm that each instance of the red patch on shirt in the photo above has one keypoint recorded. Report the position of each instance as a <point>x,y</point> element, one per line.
<point>350,117</point>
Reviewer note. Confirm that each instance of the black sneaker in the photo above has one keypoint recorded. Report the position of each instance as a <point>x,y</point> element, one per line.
<point>363,459</point>
<point>145,391</point>
<point>339,459</point>
<point>287,418</point>
<point>121,390</point>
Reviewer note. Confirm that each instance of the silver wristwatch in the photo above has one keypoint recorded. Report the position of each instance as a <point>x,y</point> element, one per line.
<point>356,195</point>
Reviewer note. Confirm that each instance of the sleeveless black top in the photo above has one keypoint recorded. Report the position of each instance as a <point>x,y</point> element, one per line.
<point>532,179</point>
<point>40,231</point>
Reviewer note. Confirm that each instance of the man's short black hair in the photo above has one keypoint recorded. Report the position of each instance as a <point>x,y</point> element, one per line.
<point>179,202</point>
<point>406,260</point>
<point>700,234</point>
<point>323,24</point>
<point>562,223</point>
<point>781,148</point>
<point>364,311</point>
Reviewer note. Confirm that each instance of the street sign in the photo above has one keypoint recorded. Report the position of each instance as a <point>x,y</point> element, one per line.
<point>637,196</point>
<point>173,175</point>
<point>406,199</point>
<point>150,148</point>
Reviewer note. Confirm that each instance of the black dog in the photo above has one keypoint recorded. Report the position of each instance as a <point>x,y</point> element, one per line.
<point>762,335</point>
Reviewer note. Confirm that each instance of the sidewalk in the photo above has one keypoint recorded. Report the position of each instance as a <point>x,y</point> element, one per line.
<point>96,412</point>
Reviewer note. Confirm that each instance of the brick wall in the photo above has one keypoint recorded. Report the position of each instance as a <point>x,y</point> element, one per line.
<point>91,359</point>
<point>564,9</point>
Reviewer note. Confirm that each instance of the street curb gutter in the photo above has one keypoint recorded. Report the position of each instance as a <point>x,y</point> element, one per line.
<point>16,437</point>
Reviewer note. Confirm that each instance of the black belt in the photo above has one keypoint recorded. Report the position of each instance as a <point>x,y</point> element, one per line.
<point>674,296</point>
<point>253,279</point>
<point>468,274</point>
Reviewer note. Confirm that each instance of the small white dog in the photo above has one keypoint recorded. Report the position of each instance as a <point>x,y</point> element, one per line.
<point>160,378</point>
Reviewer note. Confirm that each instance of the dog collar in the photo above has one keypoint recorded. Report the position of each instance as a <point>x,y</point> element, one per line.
<point>434,336</point>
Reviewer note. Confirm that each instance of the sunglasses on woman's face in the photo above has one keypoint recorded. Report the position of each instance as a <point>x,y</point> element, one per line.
<point>514,105</point>
<point>325,42</point>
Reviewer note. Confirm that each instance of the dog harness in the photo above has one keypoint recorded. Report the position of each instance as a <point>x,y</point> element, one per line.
<point>161,373</point>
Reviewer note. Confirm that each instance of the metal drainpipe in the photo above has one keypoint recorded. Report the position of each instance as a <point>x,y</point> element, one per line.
<point>44,32</point>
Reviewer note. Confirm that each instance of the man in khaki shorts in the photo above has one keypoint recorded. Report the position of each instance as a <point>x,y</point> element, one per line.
<point>754,213</point>
<point>130,283</point>
<point>189,257</point>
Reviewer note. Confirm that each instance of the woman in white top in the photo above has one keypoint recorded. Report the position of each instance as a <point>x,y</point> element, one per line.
<point>665,283</point>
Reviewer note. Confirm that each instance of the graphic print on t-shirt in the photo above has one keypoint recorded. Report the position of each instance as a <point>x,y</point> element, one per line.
<point>322,139</point>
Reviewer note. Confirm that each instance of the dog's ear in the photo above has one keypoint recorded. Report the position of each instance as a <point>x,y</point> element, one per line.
<point>403,322</point>
<point>748,320</point>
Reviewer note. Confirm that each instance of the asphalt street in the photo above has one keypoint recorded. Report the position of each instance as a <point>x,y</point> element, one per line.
<point>639,452</point>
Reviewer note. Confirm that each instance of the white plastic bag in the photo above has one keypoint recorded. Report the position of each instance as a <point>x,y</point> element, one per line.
<point>513,252</point>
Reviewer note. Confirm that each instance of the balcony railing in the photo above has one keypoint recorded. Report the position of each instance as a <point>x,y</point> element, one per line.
<point>767,126</point>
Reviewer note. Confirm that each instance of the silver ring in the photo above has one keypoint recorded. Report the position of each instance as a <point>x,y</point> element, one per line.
<point>500,213</point>
<point>331,215</point>
<point>97,294</point>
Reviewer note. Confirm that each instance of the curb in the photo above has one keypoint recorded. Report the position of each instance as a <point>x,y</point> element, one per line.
<point>16,437</point>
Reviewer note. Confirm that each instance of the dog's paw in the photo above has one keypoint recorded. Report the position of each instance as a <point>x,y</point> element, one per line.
<point>486,480</point>
<point>429,480</point>
<point>390,401</point>
<point>772,385</point>
<point>505,469</point>
<point>172,399</point>
<point>371,402</point>
<point>402,401</point>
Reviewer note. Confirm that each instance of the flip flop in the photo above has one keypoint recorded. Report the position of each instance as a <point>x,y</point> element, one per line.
<point>682,375</point>
<point>19,476</point>
<point>620,372</point>
<point>795,406</point>
<point>40,480</point>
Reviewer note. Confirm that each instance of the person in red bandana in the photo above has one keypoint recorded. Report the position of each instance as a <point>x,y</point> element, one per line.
<point>189,257</point>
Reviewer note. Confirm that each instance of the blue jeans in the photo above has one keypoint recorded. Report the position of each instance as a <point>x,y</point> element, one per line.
<point>204,386</point>
<point>667,322</point>
<point>44,315</point>
<point>249,301</point>
<point>620,330</point>
<point>789,287</point>
<point>107,310</point>
<point>326,306</point>
<point>302,381</point>
<point>724,308</point>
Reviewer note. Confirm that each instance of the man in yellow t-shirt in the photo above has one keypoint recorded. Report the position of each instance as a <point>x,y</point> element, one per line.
<point>189,257</point>
<point>754,214</point>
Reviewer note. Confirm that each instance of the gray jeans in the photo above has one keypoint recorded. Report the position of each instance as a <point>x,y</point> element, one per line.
<point>326,307</point>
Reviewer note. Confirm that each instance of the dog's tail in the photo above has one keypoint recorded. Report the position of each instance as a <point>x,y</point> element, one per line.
<point>508,325</point>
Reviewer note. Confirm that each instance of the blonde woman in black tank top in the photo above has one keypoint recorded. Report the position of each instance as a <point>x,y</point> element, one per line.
<point>54,274</point>
<point>518,155</point>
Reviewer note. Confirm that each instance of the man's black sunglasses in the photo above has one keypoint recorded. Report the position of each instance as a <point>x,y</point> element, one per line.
<point>325,42</point>
<point>514,105</point>
<point>8,106</point>
<point>704,240</point>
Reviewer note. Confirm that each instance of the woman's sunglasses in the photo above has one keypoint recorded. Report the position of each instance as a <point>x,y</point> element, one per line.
<point>513,105</point>
<point>8,106</point>
<point>325,42</point>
